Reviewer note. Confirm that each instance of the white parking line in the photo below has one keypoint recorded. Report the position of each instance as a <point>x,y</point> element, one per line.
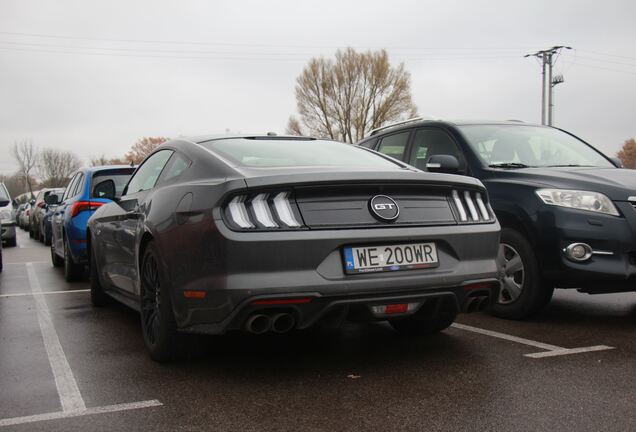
<point>69,393</point>
<point>551,350</point>
<point>70,397</point>
<point>27,294</point>
<point>79,413</point>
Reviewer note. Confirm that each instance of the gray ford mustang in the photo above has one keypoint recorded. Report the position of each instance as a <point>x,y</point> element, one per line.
<point>269,233</point>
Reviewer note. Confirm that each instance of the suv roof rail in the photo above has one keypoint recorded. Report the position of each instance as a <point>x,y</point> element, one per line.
<point>390,125</point>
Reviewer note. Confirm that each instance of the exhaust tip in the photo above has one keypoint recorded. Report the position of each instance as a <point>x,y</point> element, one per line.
<point>258,324</point>
<point>283,322</point>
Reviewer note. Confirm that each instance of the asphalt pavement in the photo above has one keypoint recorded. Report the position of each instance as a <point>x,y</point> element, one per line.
<point>66,366</point>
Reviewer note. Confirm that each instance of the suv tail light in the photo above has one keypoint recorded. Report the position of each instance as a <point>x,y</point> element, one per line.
<point>265,211</point>
<point>80,206</point>
<point>471,207</point>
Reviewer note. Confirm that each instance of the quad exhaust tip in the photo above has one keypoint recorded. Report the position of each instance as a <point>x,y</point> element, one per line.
<point>283,322</point>
<point>258,324</point>
<point>278,323</point>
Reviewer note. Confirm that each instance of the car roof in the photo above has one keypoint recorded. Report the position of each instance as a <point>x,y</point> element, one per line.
<point>204,138</point>
<point>437,122</point>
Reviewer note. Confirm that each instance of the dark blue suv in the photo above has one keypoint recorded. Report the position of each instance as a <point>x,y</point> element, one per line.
<point>566,210</point>
<point>83,195</point>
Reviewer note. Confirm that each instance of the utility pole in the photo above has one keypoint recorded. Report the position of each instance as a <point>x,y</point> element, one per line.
<point>548,58</point>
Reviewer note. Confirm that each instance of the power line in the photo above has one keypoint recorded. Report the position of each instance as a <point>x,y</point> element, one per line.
<point>181,42</point>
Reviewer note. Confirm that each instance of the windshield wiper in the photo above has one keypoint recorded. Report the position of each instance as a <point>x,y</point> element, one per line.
<point>568,165</point>
<point>509,165</point>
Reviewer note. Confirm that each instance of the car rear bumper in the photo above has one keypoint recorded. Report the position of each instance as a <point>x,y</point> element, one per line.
<point>241,268</point>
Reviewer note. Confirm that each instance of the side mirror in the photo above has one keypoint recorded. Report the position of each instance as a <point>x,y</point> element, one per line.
<point>32,201</point>
<point>105,189</point>
<point>616,161</point>
<point>52,199</point>
<point>442,164</point>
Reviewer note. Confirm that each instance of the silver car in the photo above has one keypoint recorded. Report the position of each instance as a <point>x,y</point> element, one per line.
<point>7,217</point>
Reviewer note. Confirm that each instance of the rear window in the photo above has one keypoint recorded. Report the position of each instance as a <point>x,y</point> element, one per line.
<point>295,153</point>
<point>120,177</point>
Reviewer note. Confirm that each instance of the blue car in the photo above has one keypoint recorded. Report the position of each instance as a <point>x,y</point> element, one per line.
<point>83,195</point>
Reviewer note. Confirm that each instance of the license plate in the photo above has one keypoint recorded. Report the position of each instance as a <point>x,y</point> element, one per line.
<point>369,259</point>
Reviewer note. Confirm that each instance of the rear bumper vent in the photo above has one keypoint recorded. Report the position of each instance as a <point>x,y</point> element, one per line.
<point>471,207</point>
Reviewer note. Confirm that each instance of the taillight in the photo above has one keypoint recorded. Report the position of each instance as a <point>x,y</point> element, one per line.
<point>471,207</point>
<point>263,211</point>
<point>41,204</point>
<point>27,212</point>
<point>80,206</point>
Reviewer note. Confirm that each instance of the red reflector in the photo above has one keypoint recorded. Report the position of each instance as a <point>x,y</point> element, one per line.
<point>194,294</point>
<point>476,286</point>
<point>281,301</point>
<point>396,308</point>
<point>80,206</point>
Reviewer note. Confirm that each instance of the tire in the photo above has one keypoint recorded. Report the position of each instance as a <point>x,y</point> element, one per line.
<point>524,292</point>
<point>47,239</point>
<point>157,318</point>
<point>12,242</point>
<point>55,258</point>
<point>99,298</point>
<point>31,233</point>
<point>72,271</point>
<point>421,327</point>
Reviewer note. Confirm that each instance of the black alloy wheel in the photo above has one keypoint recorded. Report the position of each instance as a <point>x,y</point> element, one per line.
<point>157,318</point>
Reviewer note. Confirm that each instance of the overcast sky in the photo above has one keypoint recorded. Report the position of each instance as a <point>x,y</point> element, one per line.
<point>94,76</point>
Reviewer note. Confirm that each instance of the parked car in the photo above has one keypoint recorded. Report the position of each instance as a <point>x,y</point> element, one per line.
<point>7,216</point>
<point>38,208</point>
<point>51,200</point>
<point>18,212</point>
<point>267,233</point>
<point>80,199</point>
<point>24,217</point>
<point>566,210</point>
<point>46,212</point>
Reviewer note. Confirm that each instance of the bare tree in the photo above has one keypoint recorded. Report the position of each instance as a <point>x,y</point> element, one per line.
<point>56,166</point>
<point>346,98</point>
<point>26,155</point>
<point>103,160</point>
<point>142,148</point>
